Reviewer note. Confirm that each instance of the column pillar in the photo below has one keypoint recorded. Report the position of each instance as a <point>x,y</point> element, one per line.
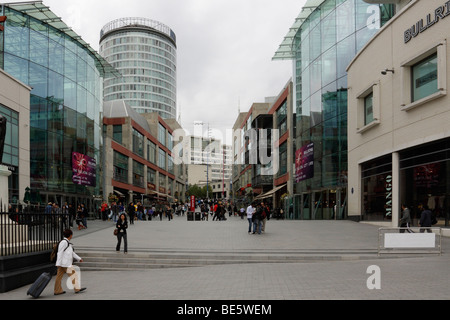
<point>4,192</point>
<point>395,189</point>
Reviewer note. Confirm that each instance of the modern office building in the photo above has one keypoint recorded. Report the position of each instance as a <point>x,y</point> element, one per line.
<point>263,147</point>
<point>145,53</point>
<point>210,165</point>
<point>399,115</point>
<point>244,151</point>
<point>325,37</point>
<point>40,50</point>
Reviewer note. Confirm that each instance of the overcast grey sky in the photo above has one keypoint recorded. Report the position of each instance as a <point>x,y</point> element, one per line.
<point>225,48</point>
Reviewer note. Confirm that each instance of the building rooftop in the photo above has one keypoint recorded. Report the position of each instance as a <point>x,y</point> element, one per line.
<point>120,109</point>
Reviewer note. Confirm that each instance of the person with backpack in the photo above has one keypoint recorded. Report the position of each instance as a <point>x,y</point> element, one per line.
<point>64,264</point>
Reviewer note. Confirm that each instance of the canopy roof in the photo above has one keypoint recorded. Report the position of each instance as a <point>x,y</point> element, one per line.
<point>38,10</point>
<point>286,50</point>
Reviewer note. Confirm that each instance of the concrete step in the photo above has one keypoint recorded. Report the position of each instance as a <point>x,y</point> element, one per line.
<point>145,259</point>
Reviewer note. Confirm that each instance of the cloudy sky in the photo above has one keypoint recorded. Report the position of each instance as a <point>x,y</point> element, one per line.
<point>225,48</point>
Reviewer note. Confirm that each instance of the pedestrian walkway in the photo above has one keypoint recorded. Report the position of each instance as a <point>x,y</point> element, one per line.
<point>346,277</point>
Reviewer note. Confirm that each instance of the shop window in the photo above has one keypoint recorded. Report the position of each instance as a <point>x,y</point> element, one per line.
<point>424,77</point>
<point>368,108</point>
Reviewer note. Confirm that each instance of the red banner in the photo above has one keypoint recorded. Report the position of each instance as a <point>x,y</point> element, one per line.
<point>193,203</point>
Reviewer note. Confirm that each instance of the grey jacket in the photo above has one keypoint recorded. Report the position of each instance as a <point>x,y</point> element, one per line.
<point>406,217</point>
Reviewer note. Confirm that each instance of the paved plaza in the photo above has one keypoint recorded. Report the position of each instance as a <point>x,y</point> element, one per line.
<point>344,277</point>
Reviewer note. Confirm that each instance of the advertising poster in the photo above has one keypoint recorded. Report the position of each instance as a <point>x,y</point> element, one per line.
<point>84,170</point>
<point>304,163</point>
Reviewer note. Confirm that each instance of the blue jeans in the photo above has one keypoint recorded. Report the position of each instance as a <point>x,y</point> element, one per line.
<point>249,224</point>
<point>257,226</point>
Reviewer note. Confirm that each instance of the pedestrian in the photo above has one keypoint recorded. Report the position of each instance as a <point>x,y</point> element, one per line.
<point>121,226</point>
<point>64,264</point>
<point>72,214</point>
<point>216,211</point>
<point>250,211</point>
<point>257,216</point>
<point>425,219</point>
<point>264,215</point>
<point>241,212</point>
<point>131,212</point>
<point>84,215</point>
<point>79,218</point>
<point>405,220</point>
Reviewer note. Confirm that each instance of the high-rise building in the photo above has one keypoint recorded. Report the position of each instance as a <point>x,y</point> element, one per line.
<point>144,51</point>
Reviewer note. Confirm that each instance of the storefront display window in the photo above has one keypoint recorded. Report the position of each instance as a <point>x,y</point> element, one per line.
<point>377,189</point>
<point>425,179</point>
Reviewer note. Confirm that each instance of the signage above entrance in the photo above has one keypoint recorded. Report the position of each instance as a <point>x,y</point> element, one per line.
<point>431,19</point>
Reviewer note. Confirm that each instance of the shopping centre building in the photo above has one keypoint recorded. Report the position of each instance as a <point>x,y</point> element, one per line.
<point>399,115</point>
<point>64,73</point>
<point>325,37</point>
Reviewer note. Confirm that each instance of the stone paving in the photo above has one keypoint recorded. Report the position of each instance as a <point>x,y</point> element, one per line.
<point>400,278</point>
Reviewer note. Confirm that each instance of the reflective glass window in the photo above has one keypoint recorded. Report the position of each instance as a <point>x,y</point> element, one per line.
<point>70,93</point>
<point>330,101</point>
<point>16,34</point>
<point>38,80</point>
<point>329,68</point>
<point>70,123</point>
<point>345,53</point>
<point>368,109</point>
<point>345,19</point>
<point>56,57</point>
<point>424,78</point>
<point>38,43</point>
<point>17,66</point>
<point>56,87</point>
<point>316,75</point>
<point>328,31</point>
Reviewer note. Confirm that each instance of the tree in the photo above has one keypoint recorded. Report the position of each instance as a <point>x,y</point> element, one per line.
<point>198,192</point>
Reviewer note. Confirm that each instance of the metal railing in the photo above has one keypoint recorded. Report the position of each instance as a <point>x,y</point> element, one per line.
<point>30,230</point>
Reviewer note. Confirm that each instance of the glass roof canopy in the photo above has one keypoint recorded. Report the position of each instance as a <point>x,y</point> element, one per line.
<point>286,50</point>
<point>38,10</point>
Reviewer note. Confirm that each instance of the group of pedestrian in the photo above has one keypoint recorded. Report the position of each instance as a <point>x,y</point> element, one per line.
<point>257,215</point>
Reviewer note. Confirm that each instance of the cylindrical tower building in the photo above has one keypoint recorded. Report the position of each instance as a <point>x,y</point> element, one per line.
<point>144,52</point>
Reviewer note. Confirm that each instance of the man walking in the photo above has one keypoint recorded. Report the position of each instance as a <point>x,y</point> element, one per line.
<point>64,263</point>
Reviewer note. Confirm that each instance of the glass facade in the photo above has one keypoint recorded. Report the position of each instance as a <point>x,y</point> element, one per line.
<point>323,47</point>
<point>145,54</point>
<point>66,100</point>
